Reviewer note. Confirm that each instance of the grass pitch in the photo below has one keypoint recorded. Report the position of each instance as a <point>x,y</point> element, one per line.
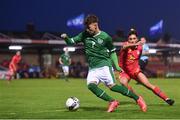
<point>45,98</point>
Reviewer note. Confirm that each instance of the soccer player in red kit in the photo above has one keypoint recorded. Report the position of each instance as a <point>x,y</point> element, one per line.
<point>129,62</point>
<point>13,66</point>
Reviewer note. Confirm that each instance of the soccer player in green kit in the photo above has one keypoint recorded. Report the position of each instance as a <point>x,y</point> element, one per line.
<point>65,61</point>
<point>100,54</point>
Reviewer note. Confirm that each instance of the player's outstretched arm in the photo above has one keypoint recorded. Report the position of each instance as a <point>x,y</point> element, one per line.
<point>128,45</point>
<point>115,61</point>
<point>69,41</point>
<point>74,40</point>
<point>64,36</point>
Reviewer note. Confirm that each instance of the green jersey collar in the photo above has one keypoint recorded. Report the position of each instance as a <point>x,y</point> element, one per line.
<point>97,34</point>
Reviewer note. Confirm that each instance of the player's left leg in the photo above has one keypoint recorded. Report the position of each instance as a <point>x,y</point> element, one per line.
<point>142,64</point>
<point>93,80</point>
<point>125,91</point>
<point>156,90</point>
<point>109,80</point>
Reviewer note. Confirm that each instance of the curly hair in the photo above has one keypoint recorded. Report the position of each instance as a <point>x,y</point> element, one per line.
<point>90,19</point>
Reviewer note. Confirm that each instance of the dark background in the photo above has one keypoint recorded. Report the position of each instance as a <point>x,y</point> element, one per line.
<point>51,15</point>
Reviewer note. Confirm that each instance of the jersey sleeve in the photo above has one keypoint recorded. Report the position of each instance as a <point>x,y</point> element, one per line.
<point>110,45</point>
<point>75,40</point>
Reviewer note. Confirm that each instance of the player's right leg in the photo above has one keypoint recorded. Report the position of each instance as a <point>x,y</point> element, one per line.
<point>113,104</point>
<point>92,83</point>
<point>156,90</point>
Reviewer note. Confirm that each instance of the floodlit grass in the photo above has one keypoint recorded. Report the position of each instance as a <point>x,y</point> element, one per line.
<point>45,98</point>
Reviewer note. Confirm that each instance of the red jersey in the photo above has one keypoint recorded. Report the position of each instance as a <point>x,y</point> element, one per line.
<point>13,64</point>
<point>129,60</point>
<point>16,59</point>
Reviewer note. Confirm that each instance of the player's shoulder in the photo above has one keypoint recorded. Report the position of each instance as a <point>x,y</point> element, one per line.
<point>62,55</point>
<point>15,56</point>
<point>104,35</point>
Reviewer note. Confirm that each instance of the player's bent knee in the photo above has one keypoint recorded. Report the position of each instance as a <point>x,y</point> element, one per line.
<point>124,80</point>
<point>124,83</point>
<point>91,86</point>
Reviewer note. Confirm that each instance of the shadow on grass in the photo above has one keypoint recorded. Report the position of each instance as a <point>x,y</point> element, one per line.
<point>161,105</point>
<point>94,108</point>
<point>127,103</point>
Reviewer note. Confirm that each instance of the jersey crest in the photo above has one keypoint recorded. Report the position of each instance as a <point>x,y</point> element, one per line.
<point>131,57</point>
<point>100,41</point>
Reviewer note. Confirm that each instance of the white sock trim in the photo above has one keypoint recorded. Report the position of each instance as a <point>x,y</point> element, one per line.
<point>102,94</point>
<point>127,92</point>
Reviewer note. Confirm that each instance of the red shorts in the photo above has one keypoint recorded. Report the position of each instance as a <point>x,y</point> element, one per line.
<point>130,74</point>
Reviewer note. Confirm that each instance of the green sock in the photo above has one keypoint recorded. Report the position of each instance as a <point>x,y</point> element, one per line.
<point>99,93</point>
<point>123,90</point>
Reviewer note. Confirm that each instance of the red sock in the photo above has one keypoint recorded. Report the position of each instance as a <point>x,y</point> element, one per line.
<point>161,94</point>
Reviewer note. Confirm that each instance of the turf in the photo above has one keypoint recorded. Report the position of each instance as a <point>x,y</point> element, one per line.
<point>45,98</point>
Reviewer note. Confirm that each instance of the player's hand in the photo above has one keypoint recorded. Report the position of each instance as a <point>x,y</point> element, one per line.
<point>64,36</point>
<point>141,42</point>
<point>143,39</point>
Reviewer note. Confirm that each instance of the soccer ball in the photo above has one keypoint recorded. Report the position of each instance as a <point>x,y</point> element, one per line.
<point>72,103</point>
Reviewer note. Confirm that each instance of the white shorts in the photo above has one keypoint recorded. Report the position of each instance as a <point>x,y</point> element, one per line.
<point>103,74</point>
<point>65,69</point>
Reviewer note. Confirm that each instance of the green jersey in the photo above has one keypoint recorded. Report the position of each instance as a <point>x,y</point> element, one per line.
<point>97,48</point>
<point>65,59</point>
